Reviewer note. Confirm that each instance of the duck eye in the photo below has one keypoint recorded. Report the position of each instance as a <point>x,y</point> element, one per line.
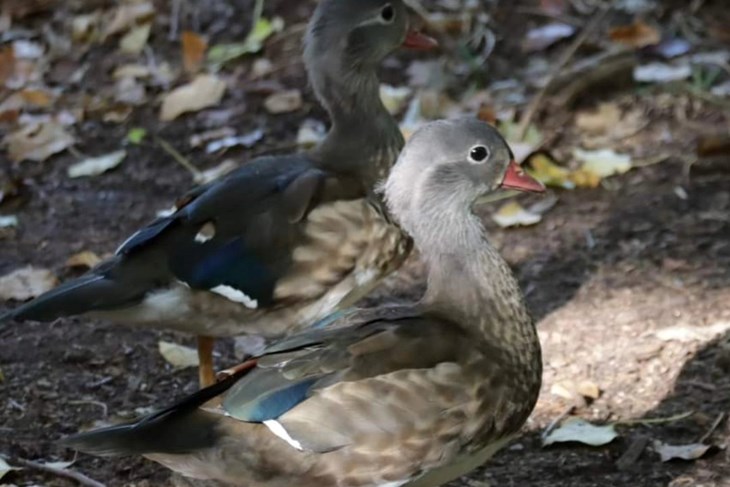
<point>478,153</point>
<point>387,14</point>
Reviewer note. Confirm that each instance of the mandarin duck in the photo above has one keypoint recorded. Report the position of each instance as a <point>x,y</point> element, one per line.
<point>411,395</point>
<point>284,240</point>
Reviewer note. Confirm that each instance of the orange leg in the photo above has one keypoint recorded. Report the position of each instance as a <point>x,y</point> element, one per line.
<point>206,374</point>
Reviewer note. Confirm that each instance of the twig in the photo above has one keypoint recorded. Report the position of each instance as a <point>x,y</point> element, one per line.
<point>569,52</point>
<point>61,472</point>
<point>557,420</point>
<point>669,419</point>
<point>713,427</point>
<point>174,19</point>
<point>167,147</point>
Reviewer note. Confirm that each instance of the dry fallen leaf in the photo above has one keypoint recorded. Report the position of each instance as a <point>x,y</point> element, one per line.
<point>262,29</point>
<point>8,221</point>
<point>310,133</point>
<point>597,165</point>
<point>193,50</point>
<point>25,283</point>
<point>578,392</point>
<point>283,101</point>
<point>178,356</point>
<point>246,140</point>
<point>544,169</point>
<point>37,142</point>
<point>94,166</point>
<point>691,451</point>
<point>545,36</point>
<point>637,34</point>
<point>581,431</point>
<point>216,172</point>
<point>5,468</point>
<point>394,98</point>
<point>129,91</point>
<point>520,147</point>
<point>512,214</point>
<point>128,15</point>
<point>662,72</point>
<point>7,63</point>
<point>600,120</point>
<point>85,258</point>
<point>134,41</point>
<point>204,91</point>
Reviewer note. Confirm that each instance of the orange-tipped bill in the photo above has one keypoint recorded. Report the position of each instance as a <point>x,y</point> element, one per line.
<point>516,178</point>
<point>417,40</point>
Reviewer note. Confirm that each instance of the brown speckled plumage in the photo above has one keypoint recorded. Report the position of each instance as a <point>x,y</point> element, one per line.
<point>411,395</point>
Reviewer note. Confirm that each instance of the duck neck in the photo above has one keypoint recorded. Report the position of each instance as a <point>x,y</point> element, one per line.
<point>364,139</point>
<point>471,283</point>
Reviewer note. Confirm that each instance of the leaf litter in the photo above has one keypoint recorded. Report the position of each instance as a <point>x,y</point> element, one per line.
<point>206,90</point>
<point>179,356</point>
<point>94,166</point>
<point>27,282</point>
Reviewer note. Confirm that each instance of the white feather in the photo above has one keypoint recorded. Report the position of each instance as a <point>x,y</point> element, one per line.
<point>235,295</point>
<point>276,428</point>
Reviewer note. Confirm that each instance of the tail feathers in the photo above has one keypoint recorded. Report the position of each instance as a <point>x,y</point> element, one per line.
<point>177,433</point>
<point>178,429</point>
<point>87,293</point>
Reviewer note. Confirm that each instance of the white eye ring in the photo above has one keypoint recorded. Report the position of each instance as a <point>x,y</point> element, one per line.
<point>478,154</point>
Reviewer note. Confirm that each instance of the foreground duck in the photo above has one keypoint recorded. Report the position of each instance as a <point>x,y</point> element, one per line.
<point>412,395</point>
<point>284,240</point>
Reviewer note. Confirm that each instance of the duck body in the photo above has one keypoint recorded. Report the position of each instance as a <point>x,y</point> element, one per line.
<point>412,395</point>
<point>276,244</point>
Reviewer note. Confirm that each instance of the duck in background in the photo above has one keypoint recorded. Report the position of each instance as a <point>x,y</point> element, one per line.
<point>284,240</point>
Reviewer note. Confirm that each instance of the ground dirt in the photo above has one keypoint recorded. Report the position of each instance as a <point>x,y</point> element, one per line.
<point>604,272</point>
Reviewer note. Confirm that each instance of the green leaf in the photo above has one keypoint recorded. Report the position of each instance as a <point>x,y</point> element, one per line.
<point>136,135</point>
<point>254,42</point>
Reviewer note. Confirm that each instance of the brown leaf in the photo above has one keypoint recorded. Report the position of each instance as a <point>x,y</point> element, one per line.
<point>7,63</point>
<point>193,47</point>
<point>204,91</point>
<point>26,283</point>
<point>283,101</point>
<point>38,98</point>
<point>38,142</point>
<point>637,34</point>
<point>86,258</point>
<point>713,145</point>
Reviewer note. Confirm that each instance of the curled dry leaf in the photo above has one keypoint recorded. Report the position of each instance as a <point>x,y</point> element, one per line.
<point>512,214</point>
<point>37,142</point>
<point>222,53</point>
<point>545,36</point>
<point>637,34</point>
<point>581,431</point>
<point>86,258</point>
<point>94,166</point>
<point>193,51</point>
<point>179,356</point>
<point>25,283</point>
<point>691,451</point>
<point>283,101</point>
<point>204,91</point>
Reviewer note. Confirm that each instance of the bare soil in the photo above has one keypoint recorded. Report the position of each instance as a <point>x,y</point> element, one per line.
<point>604,272</point>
